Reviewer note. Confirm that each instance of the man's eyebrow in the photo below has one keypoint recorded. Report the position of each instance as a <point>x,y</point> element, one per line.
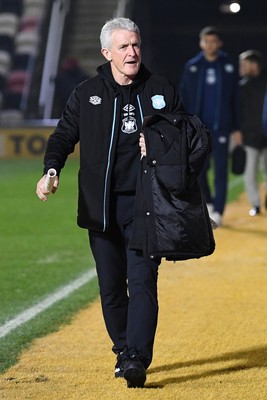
<point>129,44</point>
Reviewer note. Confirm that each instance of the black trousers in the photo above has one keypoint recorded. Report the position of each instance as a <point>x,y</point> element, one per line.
<point>128,284</point>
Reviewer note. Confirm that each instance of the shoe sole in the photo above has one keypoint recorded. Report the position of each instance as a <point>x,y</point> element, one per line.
<point>135,378</point>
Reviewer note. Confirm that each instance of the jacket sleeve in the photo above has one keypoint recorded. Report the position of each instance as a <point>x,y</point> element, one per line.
<point>62,141</point>
<point>264,113</point>
<point>199,145</point>
<point>177,104</point>
<point>236,105</point>
<point>244,106</point>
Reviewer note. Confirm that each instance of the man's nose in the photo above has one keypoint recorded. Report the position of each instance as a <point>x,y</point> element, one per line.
<point>131,50</point>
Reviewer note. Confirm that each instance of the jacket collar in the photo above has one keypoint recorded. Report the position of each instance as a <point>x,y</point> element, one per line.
<point>104,71</point>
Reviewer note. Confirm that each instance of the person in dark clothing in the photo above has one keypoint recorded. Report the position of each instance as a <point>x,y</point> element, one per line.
<point>252,92</point>
<point>209,89</point>
<point>69,76</point>
<point>105,115</point>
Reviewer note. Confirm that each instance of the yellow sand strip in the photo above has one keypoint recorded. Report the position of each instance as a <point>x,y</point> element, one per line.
<point>211,341</point>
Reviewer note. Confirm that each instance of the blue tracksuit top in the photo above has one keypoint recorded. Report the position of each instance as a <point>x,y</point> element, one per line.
<point>226,102</point>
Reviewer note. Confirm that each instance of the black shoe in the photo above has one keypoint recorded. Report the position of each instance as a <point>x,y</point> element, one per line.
<point>119,367</point>
<point>134,372</point>
<point>265,203</point>
<point>254,211</point>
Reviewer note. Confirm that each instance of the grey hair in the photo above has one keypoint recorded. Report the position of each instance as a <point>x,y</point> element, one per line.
<point>114,25</point>
<point>252,56</point>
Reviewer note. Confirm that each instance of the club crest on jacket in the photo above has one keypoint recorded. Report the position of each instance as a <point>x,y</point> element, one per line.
<point>158,102</point>
<point>129,125</point>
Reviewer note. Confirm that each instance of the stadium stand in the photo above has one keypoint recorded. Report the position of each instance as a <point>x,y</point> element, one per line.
<point>11,6</point>
<point>20,22</point>
<point>5,61</point>
<point>34,8</point>
<point>29,22</point>
<point>9,19</point>
<point>7,43</point>
<point>26,42</point>
<point>8,24</point>
<point>24,28</point>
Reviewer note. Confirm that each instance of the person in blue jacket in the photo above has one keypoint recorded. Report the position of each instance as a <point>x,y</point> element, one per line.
<point>209,89</point>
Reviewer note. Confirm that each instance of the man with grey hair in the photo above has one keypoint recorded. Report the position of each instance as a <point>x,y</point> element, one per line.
<point>105,115</point>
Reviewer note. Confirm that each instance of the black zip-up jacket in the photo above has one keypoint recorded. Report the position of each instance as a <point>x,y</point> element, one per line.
<point>92,118</point>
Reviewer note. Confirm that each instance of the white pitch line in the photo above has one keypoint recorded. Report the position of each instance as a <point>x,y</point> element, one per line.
<point>31,312</point>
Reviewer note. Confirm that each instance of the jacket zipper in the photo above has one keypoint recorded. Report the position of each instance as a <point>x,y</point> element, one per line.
<point>140,109</point>
<point>108,166</point>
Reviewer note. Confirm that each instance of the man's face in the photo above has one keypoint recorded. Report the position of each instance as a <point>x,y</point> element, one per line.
<point>124,55</point>
<point>210,44</point>
<point>248,68</point>
<point>244,68</point>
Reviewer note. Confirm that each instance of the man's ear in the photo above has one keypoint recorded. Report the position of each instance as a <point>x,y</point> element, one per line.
<point>106,53</point>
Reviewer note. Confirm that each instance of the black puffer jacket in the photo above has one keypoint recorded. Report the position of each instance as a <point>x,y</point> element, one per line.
<point>171,218</point>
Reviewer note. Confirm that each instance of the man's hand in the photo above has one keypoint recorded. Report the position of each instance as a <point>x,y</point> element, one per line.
<point>42,192</point>
<point>142,145</point>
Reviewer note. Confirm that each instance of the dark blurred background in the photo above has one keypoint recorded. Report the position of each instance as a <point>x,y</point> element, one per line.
<point>38,38</point>
<point>170,30</point>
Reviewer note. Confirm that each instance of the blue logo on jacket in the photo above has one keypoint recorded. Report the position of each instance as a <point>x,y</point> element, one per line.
<point>158,101</point>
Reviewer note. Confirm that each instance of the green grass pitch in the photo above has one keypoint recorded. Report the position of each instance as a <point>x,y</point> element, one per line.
<point>42,249</point>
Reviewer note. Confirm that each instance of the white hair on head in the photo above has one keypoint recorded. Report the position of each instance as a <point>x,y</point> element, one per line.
<point>114,25</point>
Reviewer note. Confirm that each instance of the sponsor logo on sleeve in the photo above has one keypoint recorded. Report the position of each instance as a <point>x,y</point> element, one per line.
<point>95,100</point>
